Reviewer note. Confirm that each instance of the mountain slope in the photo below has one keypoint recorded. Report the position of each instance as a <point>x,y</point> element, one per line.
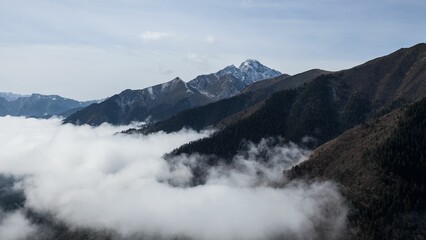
<point>381,167</point>
<point>292,113</point>
<point>329,105</point>
<point>398,76</point>
<point>4,106</point>
<point>210,115</point>
<point>218,87</point>
<point>153,103</point>
<point>283,82</point>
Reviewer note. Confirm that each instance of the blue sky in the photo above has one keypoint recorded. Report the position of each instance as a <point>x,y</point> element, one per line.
<point>93,49</point>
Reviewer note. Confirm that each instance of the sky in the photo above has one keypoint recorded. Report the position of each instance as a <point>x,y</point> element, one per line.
<point>94,49</point>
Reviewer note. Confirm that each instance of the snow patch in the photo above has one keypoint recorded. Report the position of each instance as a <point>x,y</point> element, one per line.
<point>164,86</point>
<point>151,93</point>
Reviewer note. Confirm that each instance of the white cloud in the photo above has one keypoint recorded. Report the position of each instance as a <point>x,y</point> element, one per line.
<point>14,226</point>
<point>89,177</point>
<point>153,35</point>
<point>163,70</point>
<point>200,61</point>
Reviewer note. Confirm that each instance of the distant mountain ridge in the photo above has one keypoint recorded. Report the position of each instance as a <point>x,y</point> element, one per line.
<point>9,96</point>
<point>162,101</point>
<point>38,105</point>
<point>156,102</point>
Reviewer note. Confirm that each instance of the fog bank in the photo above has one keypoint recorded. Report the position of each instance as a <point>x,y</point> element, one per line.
<point>91,177</point>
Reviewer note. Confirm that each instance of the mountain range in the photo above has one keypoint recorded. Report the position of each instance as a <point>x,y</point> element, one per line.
<point>365,126</point>
<point>162,101</point>
<point>38,105</point>
<point>327,105</point>
<point>224,112</point>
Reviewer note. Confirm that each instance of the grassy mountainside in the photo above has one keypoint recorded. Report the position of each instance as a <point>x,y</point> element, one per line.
<point>381,167</point>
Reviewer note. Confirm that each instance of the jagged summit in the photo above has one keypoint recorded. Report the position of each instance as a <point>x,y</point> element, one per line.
<point>249,63</point>
<point>254,71</point>
<point>176,79</point>
<point>231,70</point>
<point>171,85</point>
<point>231,80</point>
<point>249,70</point>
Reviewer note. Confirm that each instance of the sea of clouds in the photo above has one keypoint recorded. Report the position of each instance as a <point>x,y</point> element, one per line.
<point>92,178</point>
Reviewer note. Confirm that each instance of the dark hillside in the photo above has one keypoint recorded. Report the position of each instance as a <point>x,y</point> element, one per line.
<point>201,117</point>
<point>283,82</point>
<point>290,114</point>
<point>381,168</point>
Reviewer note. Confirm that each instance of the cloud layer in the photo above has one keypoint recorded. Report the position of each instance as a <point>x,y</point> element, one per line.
<point>90,177</point>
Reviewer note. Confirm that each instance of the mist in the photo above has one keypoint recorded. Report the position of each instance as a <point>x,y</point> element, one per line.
<point>92,178</point>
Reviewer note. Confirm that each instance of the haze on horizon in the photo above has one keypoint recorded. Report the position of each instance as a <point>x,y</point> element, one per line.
<point>93,49</point>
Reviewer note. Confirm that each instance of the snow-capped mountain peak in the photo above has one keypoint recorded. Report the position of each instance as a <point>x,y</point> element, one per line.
<point>172,84</point>
<point>254,71</point>
<point>231,69</point>
<point>250,64</point>
<point>229,81</point>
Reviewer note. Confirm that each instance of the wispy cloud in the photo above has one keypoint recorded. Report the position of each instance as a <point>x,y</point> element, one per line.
<point>201,61</point>
<point>153,35</point>
<point>163,70</point>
